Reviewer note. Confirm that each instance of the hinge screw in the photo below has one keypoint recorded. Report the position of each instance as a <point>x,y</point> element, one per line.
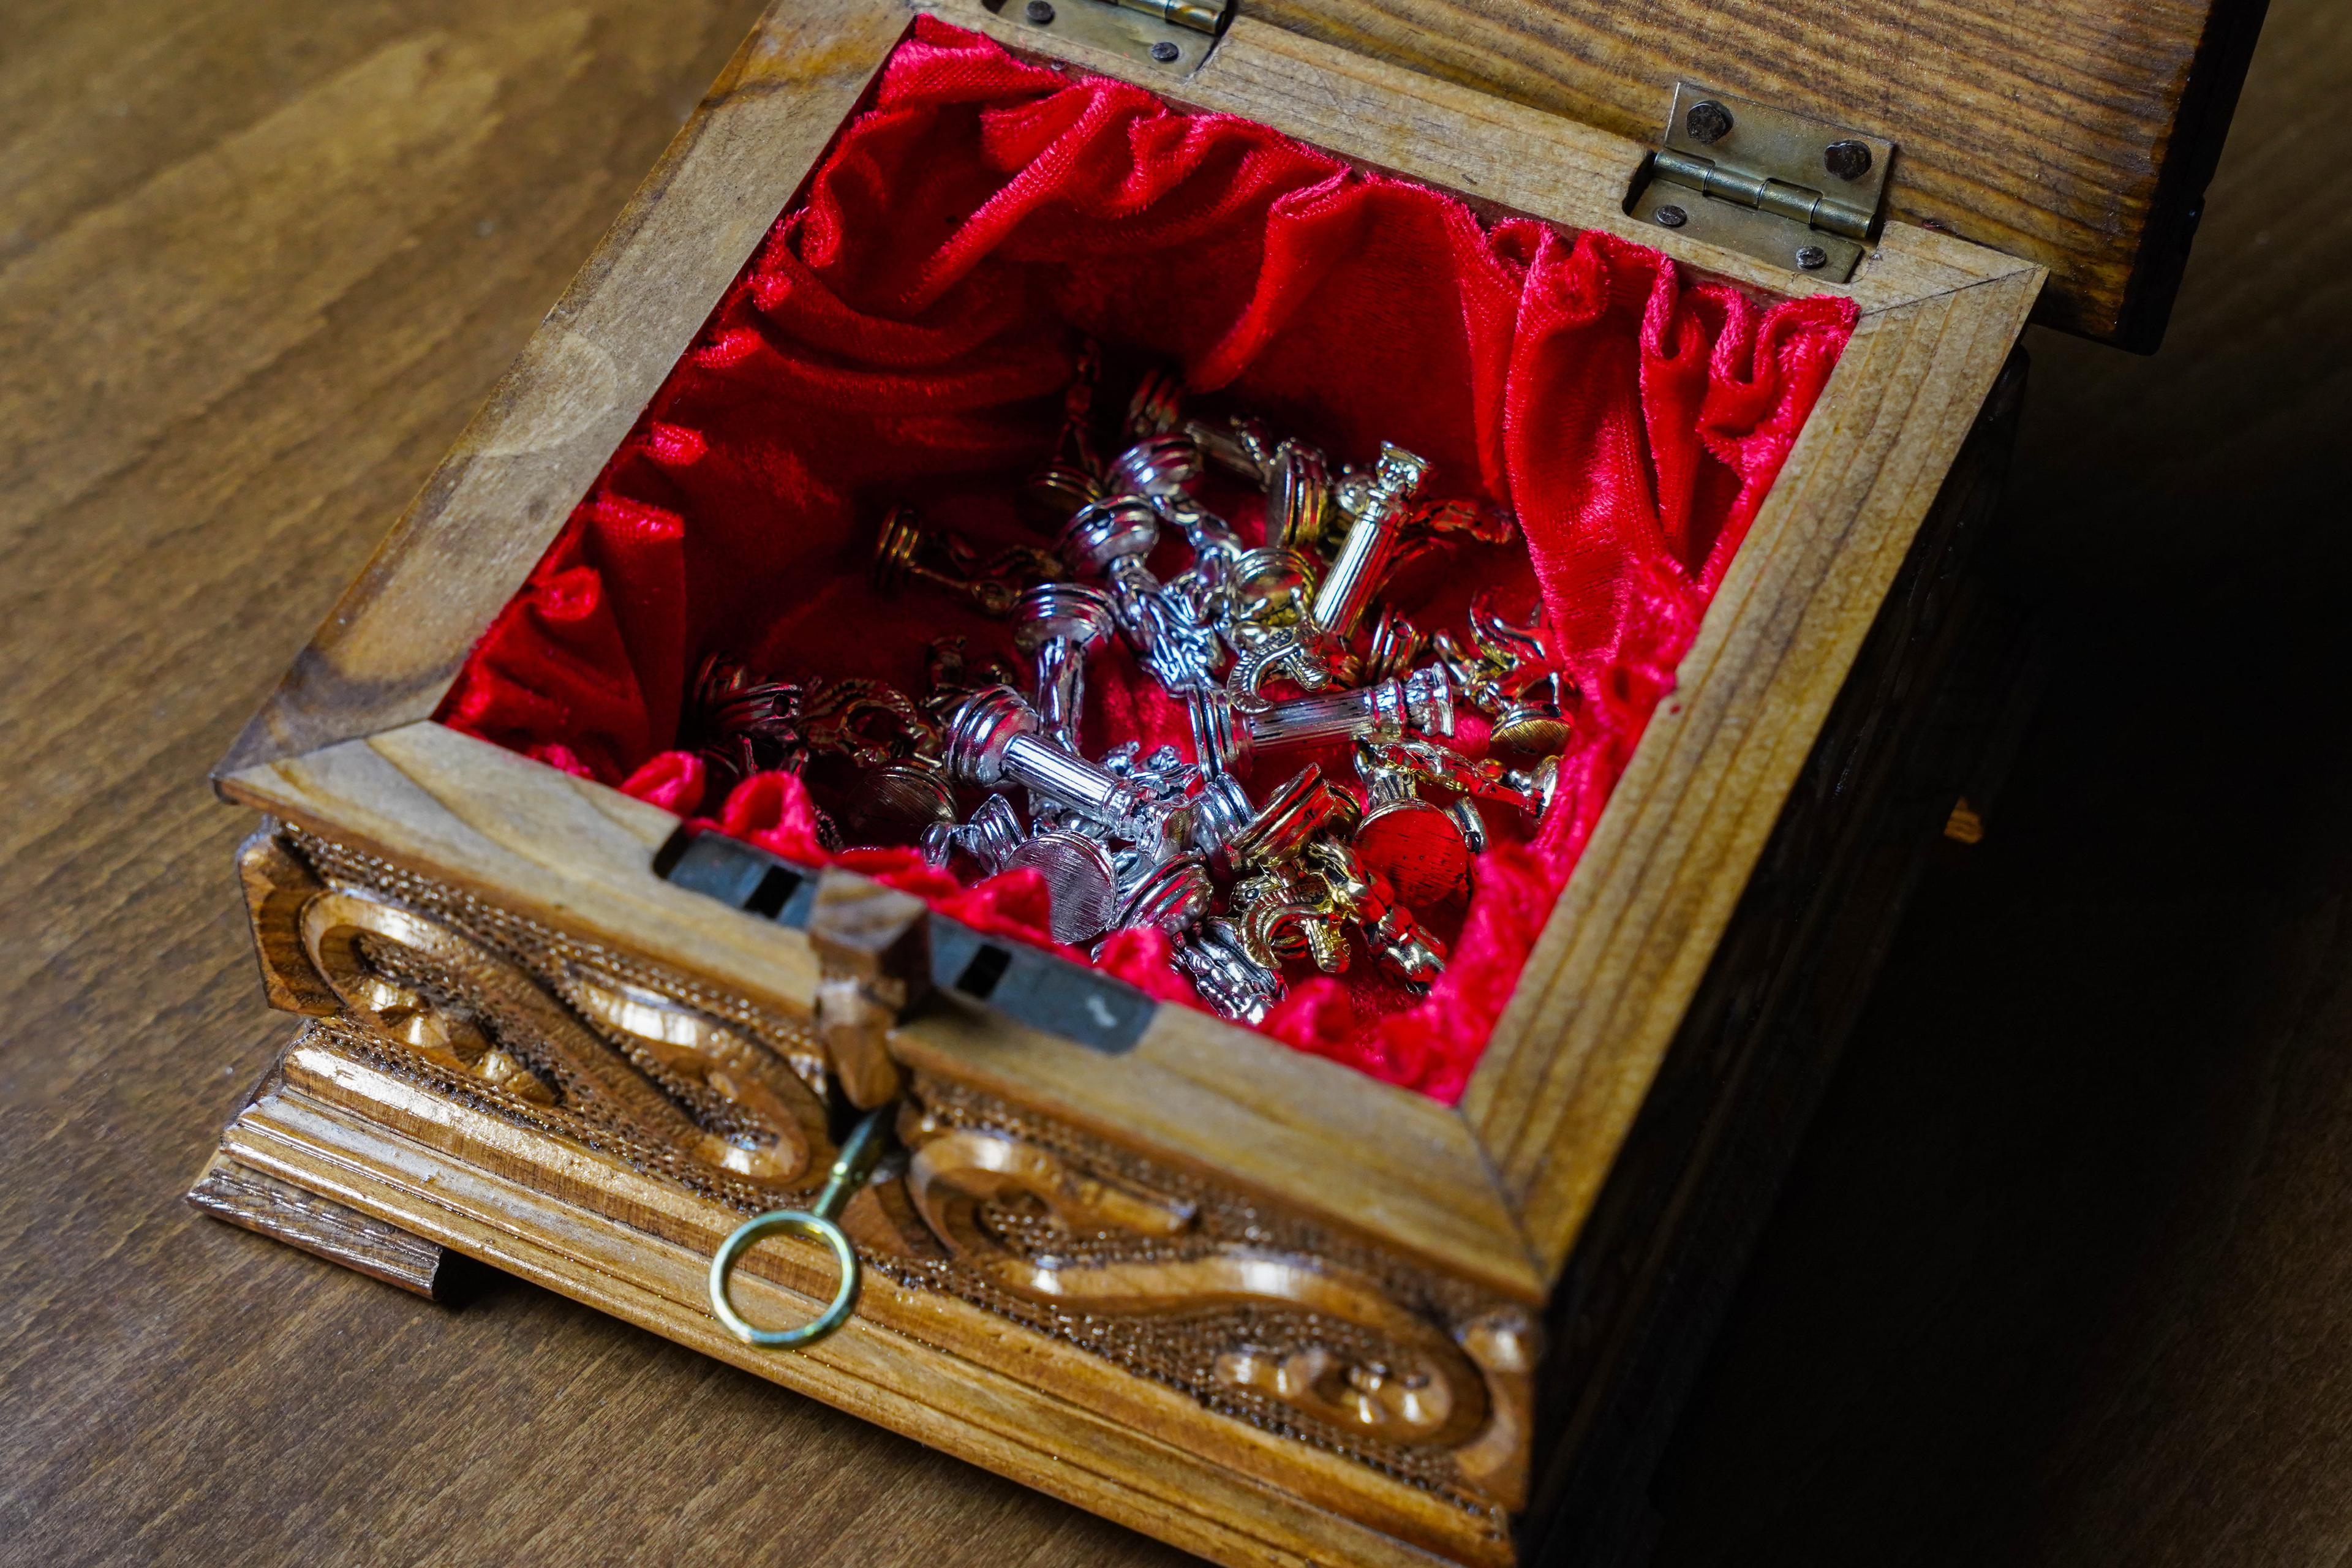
<point>1038,10</point>
<point>1708,121</point>
<point>1812,258</point>
<point>1672,218</point>
<point>1165,52</point>
<point>1846,160</point>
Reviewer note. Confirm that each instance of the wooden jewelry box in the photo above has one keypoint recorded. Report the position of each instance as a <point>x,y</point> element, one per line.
<point>1255,1302</point>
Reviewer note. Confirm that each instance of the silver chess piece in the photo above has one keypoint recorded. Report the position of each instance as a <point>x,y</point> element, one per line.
<point>1228,732</point>
<point>1109,541</point>
<point>1061,626</point>
<point>995,739</point>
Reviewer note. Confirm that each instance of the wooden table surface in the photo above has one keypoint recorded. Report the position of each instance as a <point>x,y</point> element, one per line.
<point>2065,1275</point>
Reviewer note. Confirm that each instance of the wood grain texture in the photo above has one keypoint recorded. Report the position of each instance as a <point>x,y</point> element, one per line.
<point>389,649</point>
<point>568,852</point>
<point>1391,1164</point>
<point>2077,136</point>
<point>281,1211</point>
<point>2064,1283</point>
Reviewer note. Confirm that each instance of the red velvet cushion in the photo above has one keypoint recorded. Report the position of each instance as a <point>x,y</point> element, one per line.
<point>905,335</point>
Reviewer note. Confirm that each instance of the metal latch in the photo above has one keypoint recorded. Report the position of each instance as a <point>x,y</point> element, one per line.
<point>1177,35</point>
<point>1782,187</point>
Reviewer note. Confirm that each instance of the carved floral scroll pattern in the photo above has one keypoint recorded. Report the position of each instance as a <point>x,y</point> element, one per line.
<point>1254,1313</point>
<point>547,1033</point>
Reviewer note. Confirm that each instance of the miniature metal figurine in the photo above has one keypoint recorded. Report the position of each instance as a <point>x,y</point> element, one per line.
<point>1227,734</point>
<point>1367,553</point>
<point>994,738</point>
<point>1109,539</point>
<point>1061,626</point>
<point>906,548</point>
<point>739,726</point>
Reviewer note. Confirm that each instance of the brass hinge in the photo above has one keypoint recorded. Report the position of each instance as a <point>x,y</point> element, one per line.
<point>1782,187</point>
<point>1177,35</point>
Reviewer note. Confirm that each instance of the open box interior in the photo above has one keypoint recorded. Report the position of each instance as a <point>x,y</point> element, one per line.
<point>906,335</point>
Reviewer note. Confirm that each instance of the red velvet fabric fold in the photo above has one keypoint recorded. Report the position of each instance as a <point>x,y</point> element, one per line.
<point>905,333</point>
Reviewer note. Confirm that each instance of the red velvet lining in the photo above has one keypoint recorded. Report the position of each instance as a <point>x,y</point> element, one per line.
<point>905,335</point>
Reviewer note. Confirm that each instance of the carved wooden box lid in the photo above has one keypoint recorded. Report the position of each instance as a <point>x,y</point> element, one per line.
<point>2080,136</point>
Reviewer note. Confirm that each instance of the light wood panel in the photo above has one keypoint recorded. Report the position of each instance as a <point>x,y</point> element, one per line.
<point>567,852</point>
<point>1391,1164</point>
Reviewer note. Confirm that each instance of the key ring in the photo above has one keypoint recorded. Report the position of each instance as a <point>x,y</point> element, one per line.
<point>851,1168</point>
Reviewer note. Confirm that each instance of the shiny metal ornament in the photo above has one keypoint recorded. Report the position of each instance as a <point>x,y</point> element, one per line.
<point>990,836</point>
<point>1109,541</point>
<point>906,547</point>
<point>994,739</point>
<point>1071,476</point>
<point>952,675</point>
<point>871,722</point>
<point>1156,467</point>
<point>1239,444</point>
<point>1282,916</point>
<point>1465,813</point>
<point>739,726</point>
<point>1079,879</point>
<point>1531,790</point>
<point>1232,983</point>
<point>1504,673</point>
<point>1215,545</point>
<point>1228,733</point>
<point>1370,548</point>
<point>1396,642</point>
<point>1158,403</point>
<point>1398,940</point>
<point>902,796</point>
<point>1299,511</point>
<point>1173,896</point>
<point>1419,847</point>
<point>1532,724</point>
<point>1263,618</point>
<point>1458,518</point>
<point>1061,626</point>
<point>1055,493</point>
<point>1292,815</point>
<point>1220,812</point>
